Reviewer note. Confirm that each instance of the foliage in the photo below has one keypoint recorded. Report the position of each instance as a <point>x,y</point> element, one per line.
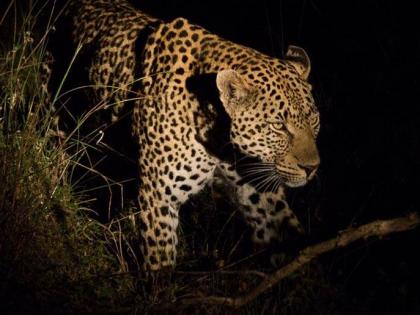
<point>53,254</point>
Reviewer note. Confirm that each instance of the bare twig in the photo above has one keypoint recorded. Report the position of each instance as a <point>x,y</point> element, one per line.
<point>378,228</point>
<point>223,272</point>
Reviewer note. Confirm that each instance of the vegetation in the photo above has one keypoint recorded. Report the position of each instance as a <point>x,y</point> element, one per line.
<point>53,254</point>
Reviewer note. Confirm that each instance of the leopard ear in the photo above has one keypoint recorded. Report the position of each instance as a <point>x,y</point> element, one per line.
<point>299,59</point>
<point>233,90</point>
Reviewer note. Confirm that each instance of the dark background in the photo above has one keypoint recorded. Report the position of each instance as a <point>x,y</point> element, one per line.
<point>365,63</point>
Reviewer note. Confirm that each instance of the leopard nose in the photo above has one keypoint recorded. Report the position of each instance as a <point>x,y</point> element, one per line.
<point>309,169</point>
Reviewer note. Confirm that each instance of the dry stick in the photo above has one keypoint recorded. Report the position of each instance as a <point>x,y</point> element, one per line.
<point>377,228</point>
<point>222,272</point>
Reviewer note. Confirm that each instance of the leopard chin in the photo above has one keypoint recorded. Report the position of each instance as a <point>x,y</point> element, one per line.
<point>296,183</point>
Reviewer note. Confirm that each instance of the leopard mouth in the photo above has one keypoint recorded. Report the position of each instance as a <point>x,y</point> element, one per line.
<point>293,178</point>
<point>264,175</point>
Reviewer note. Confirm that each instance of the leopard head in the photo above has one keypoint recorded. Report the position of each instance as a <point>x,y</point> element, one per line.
<point>273,116</point>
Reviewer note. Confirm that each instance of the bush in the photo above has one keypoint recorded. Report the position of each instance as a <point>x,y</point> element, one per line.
<point>53,255</point>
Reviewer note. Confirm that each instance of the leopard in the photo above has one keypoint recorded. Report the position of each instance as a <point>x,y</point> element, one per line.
<point>204,109</point>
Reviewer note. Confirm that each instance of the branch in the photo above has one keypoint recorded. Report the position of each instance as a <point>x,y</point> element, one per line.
<point>378,228</point>
<point>223,272</point>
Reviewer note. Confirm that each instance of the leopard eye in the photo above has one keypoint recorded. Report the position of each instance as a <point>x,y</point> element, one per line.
<point>277,126</point>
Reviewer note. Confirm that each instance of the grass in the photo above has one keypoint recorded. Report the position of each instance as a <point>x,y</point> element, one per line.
<point>53,254</point>
<point>56,257</point>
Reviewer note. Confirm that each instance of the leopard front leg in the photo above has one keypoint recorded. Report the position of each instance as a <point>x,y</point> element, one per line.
<point>158,222</point>
<point>165,185</point>
<point>268,213</point>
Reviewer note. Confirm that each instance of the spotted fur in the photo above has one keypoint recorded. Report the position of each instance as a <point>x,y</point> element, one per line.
<point>204,106</point>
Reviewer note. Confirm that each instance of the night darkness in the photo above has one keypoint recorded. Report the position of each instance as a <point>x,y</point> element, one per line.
<point>365,64</point>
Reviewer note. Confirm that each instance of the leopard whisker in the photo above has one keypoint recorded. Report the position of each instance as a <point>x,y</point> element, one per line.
<point>280,181</point>
<point>270,183</point>
<point>257,178</point>
<point>251,173</point>
<point>256,170</point>
<point>264,182</point>
<point>276,182</point>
